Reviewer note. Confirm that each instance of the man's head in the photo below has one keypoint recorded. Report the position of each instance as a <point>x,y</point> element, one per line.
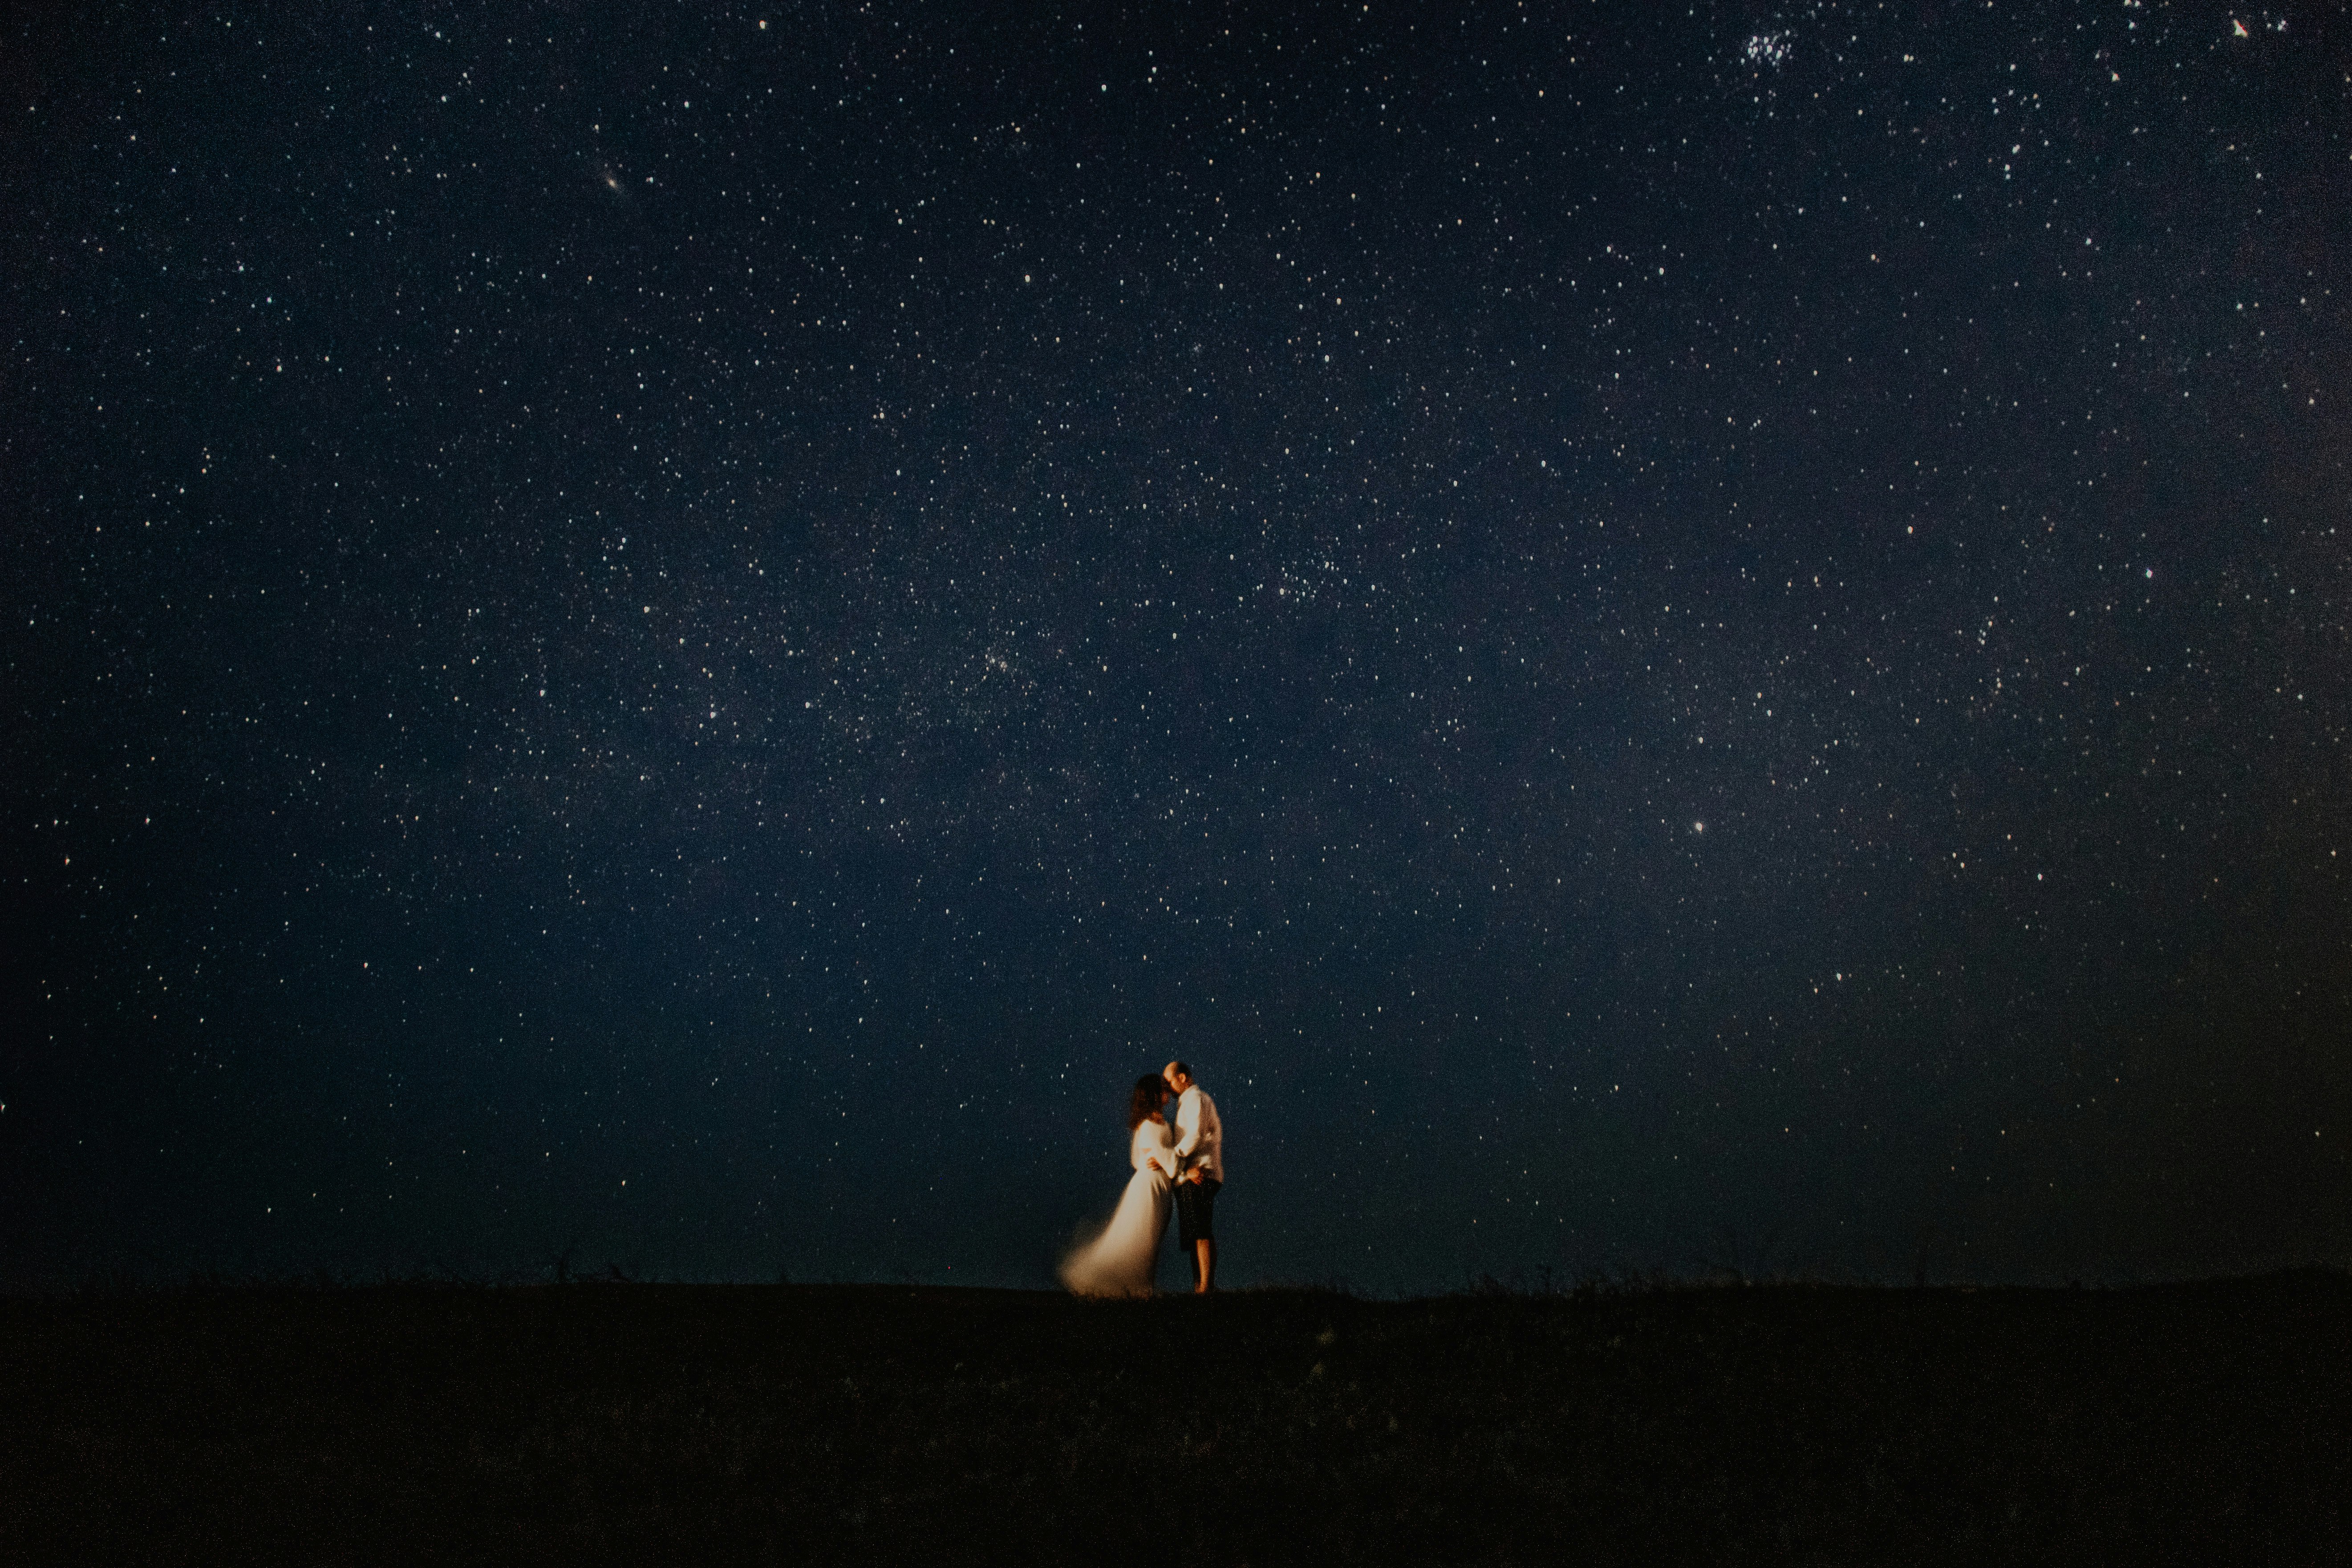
<point>1179,1076</point>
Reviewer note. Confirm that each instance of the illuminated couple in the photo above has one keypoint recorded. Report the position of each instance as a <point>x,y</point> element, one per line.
<point>1183,1165</point>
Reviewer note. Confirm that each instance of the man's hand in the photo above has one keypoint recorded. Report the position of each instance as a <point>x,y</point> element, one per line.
<point>1195,1176</point>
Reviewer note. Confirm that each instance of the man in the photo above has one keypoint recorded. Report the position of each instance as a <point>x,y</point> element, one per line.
<point>1201,1170</point>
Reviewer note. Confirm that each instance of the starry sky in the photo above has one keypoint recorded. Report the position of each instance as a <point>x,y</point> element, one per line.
<point>1660,637</point>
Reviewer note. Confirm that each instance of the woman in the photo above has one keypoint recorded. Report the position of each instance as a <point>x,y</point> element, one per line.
<point>1121,1260</point>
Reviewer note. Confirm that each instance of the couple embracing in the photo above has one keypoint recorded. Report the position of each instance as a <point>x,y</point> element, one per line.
<point>1184,1166</point>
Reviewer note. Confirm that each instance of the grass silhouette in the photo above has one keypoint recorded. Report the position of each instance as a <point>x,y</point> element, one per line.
<point>821,1423</point>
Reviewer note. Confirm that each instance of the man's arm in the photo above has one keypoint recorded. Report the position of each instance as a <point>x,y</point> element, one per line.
<point>1187,1124</point>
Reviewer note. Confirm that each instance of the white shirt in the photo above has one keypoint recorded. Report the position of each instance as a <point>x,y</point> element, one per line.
<point>1199,1135</point>
<point>1150,1147</point>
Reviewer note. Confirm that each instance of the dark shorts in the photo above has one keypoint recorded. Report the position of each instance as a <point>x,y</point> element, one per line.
<point>1196,1210</point>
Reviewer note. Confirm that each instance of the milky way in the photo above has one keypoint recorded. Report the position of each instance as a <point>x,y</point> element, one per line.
<point>680,638</point>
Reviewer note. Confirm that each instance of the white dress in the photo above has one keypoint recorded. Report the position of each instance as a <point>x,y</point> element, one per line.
<point>1119,1261</point>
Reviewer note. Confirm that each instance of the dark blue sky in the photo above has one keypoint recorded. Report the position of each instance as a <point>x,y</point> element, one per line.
<point>1650,634</point>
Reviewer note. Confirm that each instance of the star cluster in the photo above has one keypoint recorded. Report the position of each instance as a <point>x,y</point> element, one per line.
<point>689,633</point>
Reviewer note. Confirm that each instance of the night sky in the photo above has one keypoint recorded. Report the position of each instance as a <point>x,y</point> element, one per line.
<point>680,637</point>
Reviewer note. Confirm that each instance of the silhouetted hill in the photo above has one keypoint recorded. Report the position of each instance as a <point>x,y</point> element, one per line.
<point>657,1424</point>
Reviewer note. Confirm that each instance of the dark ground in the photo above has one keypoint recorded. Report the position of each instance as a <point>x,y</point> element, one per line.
<point>692,1423</point>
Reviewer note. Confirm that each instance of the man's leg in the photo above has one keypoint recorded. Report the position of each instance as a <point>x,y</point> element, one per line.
<point>1192,1232</point>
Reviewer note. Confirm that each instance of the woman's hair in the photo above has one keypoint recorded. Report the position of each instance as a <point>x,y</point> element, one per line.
<point>1150,1094</point>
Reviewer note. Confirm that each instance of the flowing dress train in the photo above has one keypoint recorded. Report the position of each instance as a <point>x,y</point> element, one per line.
<point>1121,1258</point>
